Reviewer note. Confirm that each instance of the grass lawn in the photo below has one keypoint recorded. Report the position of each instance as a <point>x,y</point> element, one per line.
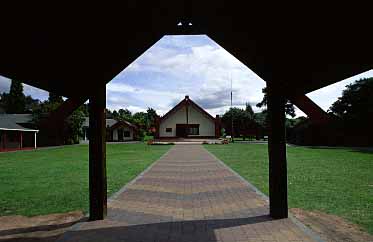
<point>56,180</point>
<point>335,181</point>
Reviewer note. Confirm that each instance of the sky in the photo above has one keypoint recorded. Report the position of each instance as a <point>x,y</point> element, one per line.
<point>191,65</point>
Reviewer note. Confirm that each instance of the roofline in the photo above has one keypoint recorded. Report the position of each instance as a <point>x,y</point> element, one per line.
<point>25,130</point>
<point>181,104</point>
<point>128,124</point>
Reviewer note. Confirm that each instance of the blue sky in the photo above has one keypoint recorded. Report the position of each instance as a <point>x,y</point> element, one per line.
<point>189,65</point>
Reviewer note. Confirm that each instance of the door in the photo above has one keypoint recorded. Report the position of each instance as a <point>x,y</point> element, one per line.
<point>181,130</point>
<point>120,134</point>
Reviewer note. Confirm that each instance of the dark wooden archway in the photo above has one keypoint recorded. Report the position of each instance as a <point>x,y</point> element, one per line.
<point>74,51</point>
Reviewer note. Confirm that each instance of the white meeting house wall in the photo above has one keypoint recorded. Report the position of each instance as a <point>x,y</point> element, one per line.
<point>179,117</point>
<point>206,125</point>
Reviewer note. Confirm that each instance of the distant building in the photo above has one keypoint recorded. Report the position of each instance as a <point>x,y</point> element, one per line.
<point>188,120</point>
<point>13,133</point>
<point>116,131</point>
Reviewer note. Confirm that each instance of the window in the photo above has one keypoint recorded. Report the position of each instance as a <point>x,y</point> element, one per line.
<point>194,130</point>
<point>126,133</point>
<point>169,130</point>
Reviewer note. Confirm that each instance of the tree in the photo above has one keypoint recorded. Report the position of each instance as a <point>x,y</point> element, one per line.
<point>54,98</point>
<point>243,122</point>
<point>289,107</point>
<point>124,114</point>
<point>115,114</point>
<point>249,109</point>
<point>261,119</point>
<point>72,127</point>
<point>15,100</point>
<point>139,119</point>
<point>109,113</point>
<point>2,102</point>
<point>151,117</point>
<point>31,104</point>
<point>354,107</point>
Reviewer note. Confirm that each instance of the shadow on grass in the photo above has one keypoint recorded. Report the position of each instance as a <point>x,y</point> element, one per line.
<point>39,228</point>
<point>367,150</point>
<point>195,230</point>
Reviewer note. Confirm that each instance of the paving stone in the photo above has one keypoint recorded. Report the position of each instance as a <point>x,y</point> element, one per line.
<point>188,195</point>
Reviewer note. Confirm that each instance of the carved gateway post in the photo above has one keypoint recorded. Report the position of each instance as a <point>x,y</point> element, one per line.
<point>97,154</point>
<point>278,198</point>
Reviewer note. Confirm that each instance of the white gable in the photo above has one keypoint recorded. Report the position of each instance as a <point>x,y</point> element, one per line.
<point>206,125</point>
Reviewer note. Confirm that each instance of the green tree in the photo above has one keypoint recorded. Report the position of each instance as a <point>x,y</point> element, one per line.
<point>289,107</point>
<point>151,116</point>
<point>74,124</point>
<point>249,109</point>
<point>243,122</point>
<point>261,118</point>
<point>54,98</point>
<point>115,114</point>
<point>15,100</point>
<point>354,107</point>
<point>31,104</point>
<point>139,119</point>
<point>124,114</point>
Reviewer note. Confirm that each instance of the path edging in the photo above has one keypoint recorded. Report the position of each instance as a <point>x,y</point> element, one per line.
<point>125,187</point>
<point>65,236</point>
<point>301,226</point>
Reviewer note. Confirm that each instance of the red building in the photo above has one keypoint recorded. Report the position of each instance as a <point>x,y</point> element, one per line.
<point>15,137</point>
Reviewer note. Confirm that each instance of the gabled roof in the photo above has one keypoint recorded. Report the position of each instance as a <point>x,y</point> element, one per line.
<point>7,123</point>
<point>186,101</point>
<point>19,118</point>
<point>123,123</point>
<point>109,122</point>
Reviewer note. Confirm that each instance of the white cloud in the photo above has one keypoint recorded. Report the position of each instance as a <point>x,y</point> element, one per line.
<point>326,96</point>
<point>4,84</point>
<point>203,72</point>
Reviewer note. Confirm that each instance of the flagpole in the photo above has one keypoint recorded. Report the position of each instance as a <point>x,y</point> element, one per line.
<point>232,109</point>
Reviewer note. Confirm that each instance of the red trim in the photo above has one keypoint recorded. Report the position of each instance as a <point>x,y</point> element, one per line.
<point>16,149</point>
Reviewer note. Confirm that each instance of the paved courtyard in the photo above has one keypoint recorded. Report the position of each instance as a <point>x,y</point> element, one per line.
<point>188,195</point>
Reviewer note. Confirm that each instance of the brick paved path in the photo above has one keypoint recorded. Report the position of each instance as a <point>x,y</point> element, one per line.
<point>188,195</point>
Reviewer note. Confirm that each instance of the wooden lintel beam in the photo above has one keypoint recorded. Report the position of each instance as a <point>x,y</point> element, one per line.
<point>52,127</point>
<point>63,111</point>
<point>313,111</point>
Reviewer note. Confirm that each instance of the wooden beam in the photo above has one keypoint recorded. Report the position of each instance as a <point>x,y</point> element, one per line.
<point>278,199</point>
<point>97,154</point>
<point>313,111</point>
<point>52,127</point>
